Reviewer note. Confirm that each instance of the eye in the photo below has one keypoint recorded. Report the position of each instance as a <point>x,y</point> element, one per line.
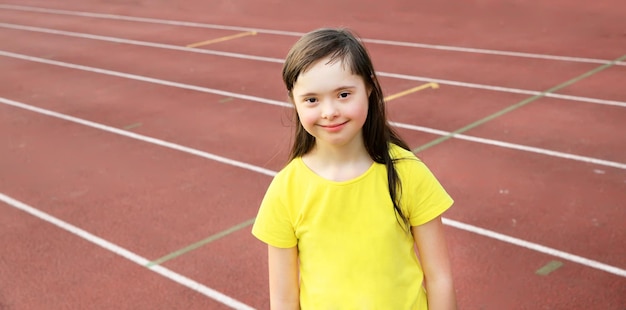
<point>344,95</point>
<point>310,100</point>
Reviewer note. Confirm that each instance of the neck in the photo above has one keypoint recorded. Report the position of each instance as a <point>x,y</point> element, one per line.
<point>338,163</point>
<point>339,155</point>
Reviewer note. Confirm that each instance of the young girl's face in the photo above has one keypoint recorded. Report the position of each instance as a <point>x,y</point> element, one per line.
<point>331,102</point>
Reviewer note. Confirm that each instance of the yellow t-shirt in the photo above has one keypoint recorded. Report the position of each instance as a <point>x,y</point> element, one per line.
<point>353,253</point>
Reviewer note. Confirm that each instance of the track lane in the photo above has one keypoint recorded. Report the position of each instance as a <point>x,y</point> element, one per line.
<point>166,34</point>
<point>172,262</point>
<point>597,24</point>
<point>199,120</point>
<point>190,74</point>
<point>608,84</point>
<point>50,267</point>
<point>546,201</point>
<point>468,67</point>
<point>568,126</point>
<point>488,274</point>
<point>121,189</point>
<point>523,233</point>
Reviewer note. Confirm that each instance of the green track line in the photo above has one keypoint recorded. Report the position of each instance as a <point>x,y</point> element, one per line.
<point>549,268</point>
<point>516,106</point>
<point>200,243</point>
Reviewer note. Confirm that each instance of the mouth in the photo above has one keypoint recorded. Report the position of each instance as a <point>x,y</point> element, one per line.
<point>333,126</point>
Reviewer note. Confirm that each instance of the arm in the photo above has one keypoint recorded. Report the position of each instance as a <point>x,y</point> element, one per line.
<point>284,282</point>
<point>431,245</point>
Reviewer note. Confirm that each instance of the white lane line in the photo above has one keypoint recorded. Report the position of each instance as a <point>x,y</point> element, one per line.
<point>496,52</point>
<point>284,104</point>
<point>298,34</point>
<point>279,60</point>
<point>144,79</point>
<point>514,146</point>
<point>139,260</point>
<point>503,89</point>
<point>536,247</point>
<point>136,136</point>
<point>140,43</point>
<point>456,224</point>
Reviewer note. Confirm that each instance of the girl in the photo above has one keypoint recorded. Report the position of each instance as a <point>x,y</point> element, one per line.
<point>342,218</point>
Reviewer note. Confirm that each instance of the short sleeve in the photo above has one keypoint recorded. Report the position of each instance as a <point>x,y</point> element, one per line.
<point>423,195</point>
<point>273,224</point>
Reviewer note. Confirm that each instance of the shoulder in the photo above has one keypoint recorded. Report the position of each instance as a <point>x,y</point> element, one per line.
<point>410,168</point>
<point>274,221</point>
<point>423,197</point>
<point>405,161</point>
<point>398,153</point>
<point>287,174</point>
<point>292,167</point>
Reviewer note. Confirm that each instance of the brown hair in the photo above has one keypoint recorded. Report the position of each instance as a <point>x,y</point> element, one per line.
<point>342,45</point>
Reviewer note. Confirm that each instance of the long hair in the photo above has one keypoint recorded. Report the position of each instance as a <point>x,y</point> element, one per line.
<point>342,45</point>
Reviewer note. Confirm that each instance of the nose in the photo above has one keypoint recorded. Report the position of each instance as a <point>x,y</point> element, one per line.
<point>330,110</point>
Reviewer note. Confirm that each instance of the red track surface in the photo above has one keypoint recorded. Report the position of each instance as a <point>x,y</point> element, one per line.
<point>153,200</point>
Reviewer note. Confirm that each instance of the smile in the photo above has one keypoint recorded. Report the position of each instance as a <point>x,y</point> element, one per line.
<point>334,127</point>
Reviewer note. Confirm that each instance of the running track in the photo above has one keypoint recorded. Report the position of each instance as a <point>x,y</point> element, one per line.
<point>132,165</point>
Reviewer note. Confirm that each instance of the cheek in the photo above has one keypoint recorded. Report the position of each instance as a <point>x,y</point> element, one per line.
<point>359,111</point>
<point>307,118</point>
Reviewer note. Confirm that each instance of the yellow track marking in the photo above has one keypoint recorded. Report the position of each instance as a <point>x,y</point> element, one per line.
<point>234,36</point>
<point>412,90</point>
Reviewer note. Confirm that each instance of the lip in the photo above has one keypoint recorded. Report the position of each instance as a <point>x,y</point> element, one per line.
<point>334,127</point>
